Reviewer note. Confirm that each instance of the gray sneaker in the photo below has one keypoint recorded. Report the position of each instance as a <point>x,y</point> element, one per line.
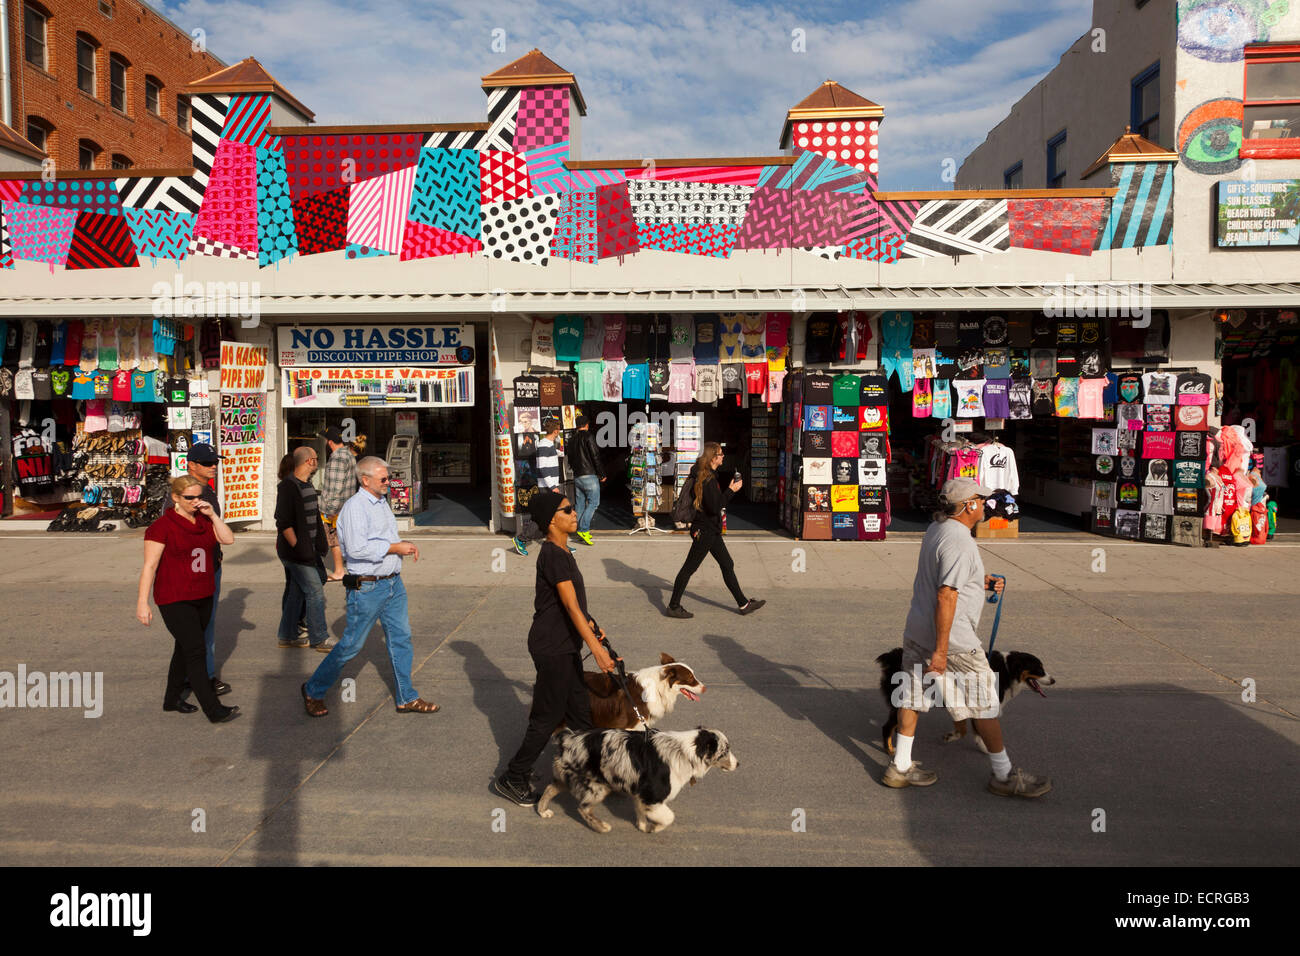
<point>914,776</point>
<point>1020,784</point>
<point>520,793</point>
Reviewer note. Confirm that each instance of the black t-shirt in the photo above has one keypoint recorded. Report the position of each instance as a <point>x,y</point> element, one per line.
<point>553,631</point>
<point>820,340</point>
<point>995,330</point>
<point>528,390</point>
<point>945,332</point>
<point>659,337</point>
<point>970,332</point>
<point>818,389</point>
<point>44,343</point>
<point>636,340</point>
<point>659,380</point>
<point>872,390</point>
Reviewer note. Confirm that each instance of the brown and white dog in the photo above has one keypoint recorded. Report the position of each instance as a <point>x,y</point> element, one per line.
<point>656,690</point>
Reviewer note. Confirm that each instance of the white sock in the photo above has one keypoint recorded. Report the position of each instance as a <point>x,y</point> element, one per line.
<point>903,752</point>
<point>1001,764</point>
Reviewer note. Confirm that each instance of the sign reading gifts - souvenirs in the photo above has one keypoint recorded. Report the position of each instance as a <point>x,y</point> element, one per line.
<point>405,386</point>
<point>375,345</point>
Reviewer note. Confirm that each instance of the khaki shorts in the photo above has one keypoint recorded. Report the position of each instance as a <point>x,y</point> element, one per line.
<point>331,535</point>
<point>968,687</point>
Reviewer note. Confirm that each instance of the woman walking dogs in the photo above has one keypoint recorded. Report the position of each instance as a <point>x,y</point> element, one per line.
<point>706,530</point>
<point>180,566</point>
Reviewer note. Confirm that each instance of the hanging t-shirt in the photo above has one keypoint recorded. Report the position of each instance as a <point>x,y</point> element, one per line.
<point>1090,393</point>
<point>707,330</point>
<point>818,389</point>
<point>845,445</point>
<point>1019,331</point>
<point>729,333</point>
<point>589,384</point>
<point>775,383</point>
<point>1021,399</point>
<point>82,385</point>
<point>1066,397</point>
<point>1192,418</point>
<point>1044,392</point>
<point>733,379</point>
<point>658,325</point>
<point>970,397</point>
<point>593,338</point>
<point>43,345</point>
<point>945,332</point>
<point>922,401</point>
<point>998,468</point>
<point>819,341</point>
<point>997,363</point>
<point>924,364</point>
<point>58,343</point>
<point>940,398</point>
<point>1067,332</point>
<point>1158,444</point>
<point>817,418</point>
<point>872,390</point>
<point>615,329</point>
<point>995,330</point>
<point>896,330</point>
<point>845,390</point>
<point>636,340</point>
<point>543,348</point>
<point>871,472</point>
<point>756,377</point>
<point>1159,418</point>
<point>708,383</point>
<point>60,381</point>
<point>816,444</point>
<point>636,382</point>
<point>681,337</point>
<point>1129,416</point>
<point>873,418</point>
<point>1129,387</point>
<point>997,399</point>
<point>964,463</point>
<point>1193,388</point>
<point>1067,362</point>
<point>658,377</point>
<point>552,394</point>
<point>970,332</point>
<point>1159,388</point>
<point>612,383</point>
<point>681,382</point>
<point>121,386</point>
<point>752,327</point>
<point>873,445</point>
<point>142,387</point>
<point>1042,363</point>
<point>776,339</point>
<point>568,338</point>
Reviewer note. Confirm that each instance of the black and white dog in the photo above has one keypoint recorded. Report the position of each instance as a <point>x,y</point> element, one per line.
<point>650,768</point>
<point>1016,671</point>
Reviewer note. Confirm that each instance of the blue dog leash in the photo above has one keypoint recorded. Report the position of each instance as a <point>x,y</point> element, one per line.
<point>995,598</point>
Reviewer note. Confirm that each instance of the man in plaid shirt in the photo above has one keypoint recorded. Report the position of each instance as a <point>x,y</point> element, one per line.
<point>338,485</point>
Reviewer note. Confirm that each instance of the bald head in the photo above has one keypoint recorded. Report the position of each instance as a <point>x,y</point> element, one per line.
<point>304,462</point>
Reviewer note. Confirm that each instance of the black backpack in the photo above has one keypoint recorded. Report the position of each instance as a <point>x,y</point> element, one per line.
<point>684,507</point>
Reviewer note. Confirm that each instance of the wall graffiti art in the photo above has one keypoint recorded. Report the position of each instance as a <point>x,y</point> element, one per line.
<point>1209,137</point>
<point>1216,30</point>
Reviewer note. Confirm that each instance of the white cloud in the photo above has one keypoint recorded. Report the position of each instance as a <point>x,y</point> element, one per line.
<point>660,78</point>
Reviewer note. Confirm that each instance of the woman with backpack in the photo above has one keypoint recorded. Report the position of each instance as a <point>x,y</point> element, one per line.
<point>709,498</point>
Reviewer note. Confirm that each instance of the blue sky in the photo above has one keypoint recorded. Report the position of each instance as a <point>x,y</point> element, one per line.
<point>665,78</point>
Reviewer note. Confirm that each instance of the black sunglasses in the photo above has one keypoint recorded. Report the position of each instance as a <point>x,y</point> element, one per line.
<point>567,509</point>
<point>191,497</point>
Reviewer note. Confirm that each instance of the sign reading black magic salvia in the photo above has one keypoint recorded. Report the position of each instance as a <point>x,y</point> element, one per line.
<point>375,345</point>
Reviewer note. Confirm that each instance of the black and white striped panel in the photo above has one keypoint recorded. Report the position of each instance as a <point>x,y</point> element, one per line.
<point>503,105</point>
<point>207,118</point>
<point>176,193</point>
<point>466,139</point>
<point>958,227</point>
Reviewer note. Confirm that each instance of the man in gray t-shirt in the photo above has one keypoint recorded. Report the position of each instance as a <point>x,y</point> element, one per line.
<point>941,642</point>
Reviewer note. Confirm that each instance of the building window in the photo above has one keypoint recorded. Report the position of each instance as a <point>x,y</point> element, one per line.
<point>1014,178</point>
<point>87,154</point>
<point>39,133</point>
<point>86,49</point>
<point>1056,161</point>
<point>1144,105</point>
<point>121,162</point>
<point>35,25</point>
<point>183,113</point>
<point>153,95</point>
<point>1270,127</point>
<point>117,66</point>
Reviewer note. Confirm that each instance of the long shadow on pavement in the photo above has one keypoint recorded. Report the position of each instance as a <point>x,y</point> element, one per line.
<point>506,719</point>
<point>657,590</point>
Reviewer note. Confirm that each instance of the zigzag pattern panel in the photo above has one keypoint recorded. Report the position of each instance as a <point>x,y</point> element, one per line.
<point>546,170</point>
<point>958,227</point>
<point>321,221</point>
<point>101,242</point>
<point>1142,211</point>
<point>730,175</point>
<point>575,227</point>
<point>446,193</point>
<point>503,106</point>
<point>207,119</point>
<point>377,210</point>
<point>464,139</point>
<point>39,233</point>
<point>1069,226</point>
<point>421,241</point>
<point>815,172</point>
<point>316,164</point>
<point>504,176</point>
<point>174,193</point>
<point>160,233</point>
<point>247,120</point>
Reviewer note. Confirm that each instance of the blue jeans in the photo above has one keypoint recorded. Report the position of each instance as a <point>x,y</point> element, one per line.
<point>210,635</point>
<point>587,491</point>
<point>305,586</point>
<point>383,601</point>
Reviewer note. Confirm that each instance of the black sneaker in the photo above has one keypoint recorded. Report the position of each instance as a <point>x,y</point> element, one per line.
<point>520,793</point>
<point>752,605</point>
<point>680,612</point>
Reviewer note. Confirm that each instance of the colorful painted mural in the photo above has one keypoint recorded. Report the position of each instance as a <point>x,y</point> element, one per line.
<point>509,192</point>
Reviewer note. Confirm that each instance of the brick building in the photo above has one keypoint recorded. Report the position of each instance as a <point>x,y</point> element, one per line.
<point>100,84</point>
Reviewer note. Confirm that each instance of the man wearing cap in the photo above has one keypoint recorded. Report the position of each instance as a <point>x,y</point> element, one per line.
<point>941,639</point>
<point>368,536</point>
<point>588,473</point>
<point>561,625</point>
<point>202,464</point>
<point>337,486</point>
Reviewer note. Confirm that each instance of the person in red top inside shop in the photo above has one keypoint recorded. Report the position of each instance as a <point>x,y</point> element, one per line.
<point>180,566</point>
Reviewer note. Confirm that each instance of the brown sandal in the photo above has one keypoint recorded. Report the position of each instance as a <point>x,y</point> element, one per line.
<point>419,706</point>
<point>315,708</point>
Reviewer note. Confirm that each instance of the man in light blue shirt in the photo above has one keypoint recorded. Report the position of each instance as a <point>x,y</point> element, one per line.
<point>373,552</point>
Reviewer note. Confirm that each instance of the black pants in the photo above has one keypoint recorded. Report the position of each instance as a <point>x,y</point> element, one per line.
<point>187,620</point>
<point>707,542</point>
<point>559,695</point>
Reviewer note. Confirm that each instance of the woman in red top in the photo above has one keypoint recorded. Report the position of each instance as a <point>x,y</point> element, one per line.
<point>180,565</point>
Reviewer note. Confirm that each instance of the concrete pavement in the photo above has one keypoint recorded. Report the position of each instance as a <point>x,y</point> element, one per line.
<point>1147,723</point>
